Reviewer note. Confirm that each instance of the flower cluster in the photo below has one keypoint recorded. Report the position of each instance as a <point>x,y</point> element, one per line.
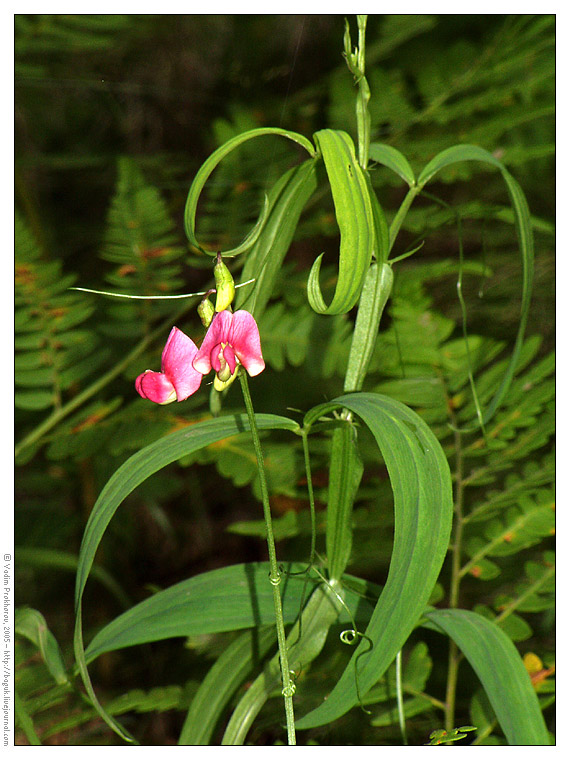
<point>232,341</point>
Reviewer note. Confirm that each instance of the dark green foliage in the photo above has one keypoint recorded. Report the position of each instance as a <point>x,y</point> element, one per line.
<point>114,114</point>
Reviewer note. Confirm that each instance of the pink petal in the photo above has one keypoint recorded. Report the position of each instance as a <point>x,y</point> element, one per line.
<point>215,357</point>
<point>177,357</point>
<point>244,339</point>
<point>217,333</point>
<point>230,358</point>
<point>155,386</point>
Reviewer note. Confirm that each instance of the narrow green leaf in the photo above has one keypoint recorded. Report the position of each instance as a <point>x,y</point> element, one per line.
<point>286,202</point>
<point>392,158</point>
<point>149,460</point>
<point>375,293</point>
<point>345,473</point>
<point>208,167</point>
<point>131,474</point>
<point>24,720</point>
<point>381,229</point>
<point>32,625</point>
<point>423,507</point>
<point>226,599</point>
<point>223,679</point>
<point>355,219</point>
<point>498,665</point>
<point>33,400</point>
<point>523,227</point>
<point>304,644</point>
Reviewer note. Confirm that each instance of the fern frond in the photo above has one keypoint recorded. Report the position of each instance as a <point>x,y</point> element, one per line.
<point>52,354</point>
<point>141,239</point>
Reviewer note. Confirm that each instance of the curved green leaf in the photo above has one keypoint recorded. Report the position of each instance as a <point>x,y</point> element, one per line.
<point>132,473</point>
<point>208,167</point>
<point>304,643</point>
<point>345,472</point>
<point>355,219</point>
<point>494,658</point>
<point>286,202</point>
<point>523,227</point>
<point>393,159</point>
<point>381,230</point>
<point>376,291</point>
<point>423,507</point>
<point>223,679</point>
<point>32,625</point>
<point>226,599</point>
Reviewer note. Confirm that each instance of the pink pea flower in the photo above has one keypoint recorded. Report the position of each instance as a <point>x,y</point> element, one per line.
<point>178,378</point>
<point>232,340</point>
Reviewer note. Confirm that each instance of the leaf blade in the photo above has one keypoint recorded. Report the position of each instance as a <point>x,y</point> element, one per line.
<point>423,507</point>
<point>523,226</point>
<point>496,661</point>
<point>355,218</point>
<point>208,167</point>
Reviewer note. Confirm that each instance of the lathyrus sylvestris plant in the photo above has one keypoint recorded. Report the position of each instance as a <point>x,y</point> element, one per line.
<point>316,596</point>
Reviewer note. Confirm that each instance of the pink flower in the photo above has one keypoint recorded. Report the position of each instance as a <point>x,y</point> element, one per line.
<point>231,340</point>
<point>178,378</point>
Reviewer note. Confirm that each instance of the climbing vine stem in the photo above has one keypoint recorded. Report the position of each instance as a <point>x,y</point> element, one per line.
<point>274,572</point>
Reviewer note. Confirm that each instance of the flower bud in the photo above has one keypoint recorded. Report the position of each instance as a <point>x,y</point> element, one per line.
<point>225,288</point>
<point>206,310</point>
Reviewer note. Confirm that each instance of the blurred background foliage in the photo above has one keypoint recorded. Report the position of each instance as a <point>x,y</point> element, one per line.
<point>113,116</point>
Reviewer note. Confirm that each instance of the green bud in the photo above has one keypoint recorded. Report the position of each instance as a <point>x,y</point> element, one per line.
<point>225,288</point>
<point>206,310</point>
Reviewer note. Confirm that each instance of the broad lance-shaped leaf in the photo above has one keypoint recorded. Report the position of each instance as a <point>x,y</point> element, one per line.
<point>132,473</point>
<point>523,226</point>
<point>392,158</point>
<point>355,219</point>
<point>494,658</point>
<point>423,507</point>
<point>226,599</point>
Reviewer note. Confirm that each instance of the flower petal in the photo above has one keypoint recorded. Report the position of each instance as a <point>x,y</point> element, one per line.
<point>230,357</point>
<point>244,339</point>
<point>155,386</point>
<point>217,333</point>
<point>177,357</point>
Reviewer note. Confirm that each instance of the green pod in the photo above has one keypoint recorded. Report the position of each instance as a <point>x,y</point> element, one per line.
<point>355,219</point>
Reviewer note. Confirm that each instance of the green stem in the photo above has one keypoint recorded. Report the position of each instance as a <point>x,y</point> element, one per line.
<point>362,114</point>
<point>274,574</point>
<point>401,214</point>
<point>305,438</point>
<point>454,657</point>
